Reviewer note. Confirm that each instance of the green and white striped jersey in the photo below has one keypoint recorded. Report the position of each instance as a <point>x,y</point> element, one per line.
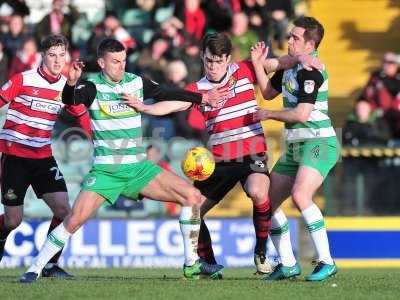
<point>301,86</point>
<point>116,127</point>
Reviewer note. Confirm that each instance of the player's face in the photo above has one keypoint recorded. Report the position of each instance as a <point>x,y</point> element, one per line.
<point>296,43</point>
<point>215,66</point>
<point>113,65</point>
<point>54,59</point>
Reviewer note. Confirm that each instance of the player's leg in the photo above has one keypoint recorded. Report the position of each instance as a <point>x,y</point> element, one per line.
<point>256,187</point>
<point>98,186</point>
<point>317,159</point>
<point>282,180</point>
<point>308,180</point>
<point>223,179</point>
<point>9,220</point>
<point>49,184</point>
<point>59,205</point>
<point>84,207</point>
<point>168,187</point>
<point>205,250</point>
<point>14,184</point>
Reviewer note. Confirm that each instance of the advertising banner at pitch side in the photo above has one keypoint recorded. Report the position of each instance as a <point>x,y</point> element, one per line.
<point>135,243</point>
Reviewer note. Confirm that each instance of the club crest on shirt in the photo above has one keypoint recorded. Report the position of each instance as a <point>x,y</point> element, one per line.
<point>309,86</point>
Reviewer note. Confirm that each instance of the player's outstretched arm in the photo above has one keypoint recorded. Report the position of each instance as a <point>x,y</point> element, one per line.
<point>286,62</point>
<point>300,113</point>
<point>211,97</point>
<point>157,109</point>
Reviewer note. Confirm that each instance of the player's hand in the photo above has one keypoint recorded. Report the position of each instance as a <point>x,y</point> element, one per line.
<point>258,53</point>
<point>261,114</point>
<point>216,96</point>
<point>75,71</point>
<point>308,62</point>
<point>134,102</point>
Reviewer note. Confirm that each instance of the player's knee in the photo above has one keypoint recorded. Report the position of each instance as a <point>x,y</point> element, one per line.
<point>299,197</point>
<point>73,224</point>
<point>194,197</point>
<point>258,194</point>
<point>62,211</point>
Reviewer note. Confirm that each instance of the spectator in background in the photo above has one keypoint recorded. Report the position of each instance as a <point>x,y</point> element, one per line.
<point>189,53</point>
<point>114,29</point>
<point>280,13</point>
<point>219,14</point>
<point>153,60</point>
<point>257,12</point>
<point>26,58</point>
<point>109,27</point>
<point>57,21</point>
<point>241,36</point>
<point>172,30</point>
<point>364,127</point>
<point>176,75</point>
<point>11,7</point>
<point>13,39</point>
<point>3,65</point>
<point>192,16</point>
<point>91,48</point>
<point>383,91</point>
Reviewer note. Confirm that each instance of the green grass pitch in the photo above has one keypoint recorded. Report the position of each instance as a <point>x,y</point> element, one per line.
<point>113,284</point>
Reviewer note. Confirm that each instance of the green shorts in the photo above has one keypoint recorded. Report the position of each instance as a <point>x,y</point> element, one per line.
<point>321,155</point>
<point>127,180</point>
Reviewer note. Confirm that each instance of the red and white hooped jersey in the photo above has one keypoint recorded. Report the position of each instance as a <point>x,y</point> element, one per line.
<point>233,133</point>
<point>35,103</point>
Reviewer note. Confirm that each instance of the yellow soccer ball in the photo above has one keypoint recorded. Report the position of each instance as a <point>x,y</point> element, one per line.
<point>198,164</point>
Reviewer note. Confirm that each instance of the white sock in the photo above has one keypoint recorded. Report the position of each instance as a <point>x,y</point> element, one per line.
<point>316,226</point>
<point>280,236</point>
<point>55,242</point>
<point>189,222</point>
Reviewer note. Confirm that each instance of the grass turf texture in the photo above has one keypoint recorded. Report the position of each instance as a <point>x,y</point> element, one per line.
<point>113,284</point>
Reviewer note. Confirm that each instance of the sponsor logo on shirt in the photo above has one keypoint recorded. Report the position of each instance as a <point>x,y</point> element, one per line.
<point>51,108</point>
<point>117,109</point>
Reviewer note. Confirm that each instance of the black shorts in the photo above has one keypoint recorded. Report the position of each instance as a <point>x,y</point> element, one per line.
<point>228,173</point>
<point>18,173</point>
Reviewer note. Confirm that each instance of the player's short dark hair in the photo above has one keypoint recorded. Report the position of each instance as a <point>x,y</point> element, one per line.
<point>109,45</point>
<point>218,44</point>
<point>152,146</point>
<point>53,40</point>
<point>313,29</point>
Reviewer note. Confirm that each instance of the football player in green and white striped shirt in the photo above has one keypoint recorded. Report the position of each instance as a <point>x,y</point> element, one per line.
<point>312,148</point>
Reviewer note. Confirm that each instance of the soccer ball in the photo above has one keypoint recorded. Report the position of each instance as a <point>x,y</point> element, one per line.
<point>198,164</point>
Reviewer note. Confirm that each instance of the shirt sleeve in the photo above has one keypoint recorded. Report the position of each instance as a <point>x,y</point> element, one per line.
<point>276,81</point>
<point>11,89</point>
<point>309,83</point>
<point>153,90</point>
<point>83,92</point>
<point>246,66</point>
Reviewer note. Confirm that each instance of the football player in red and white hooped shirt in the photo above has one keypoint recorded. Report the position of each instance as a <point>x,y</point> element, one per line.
<point>34,99</point>
<point>236,140</point>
